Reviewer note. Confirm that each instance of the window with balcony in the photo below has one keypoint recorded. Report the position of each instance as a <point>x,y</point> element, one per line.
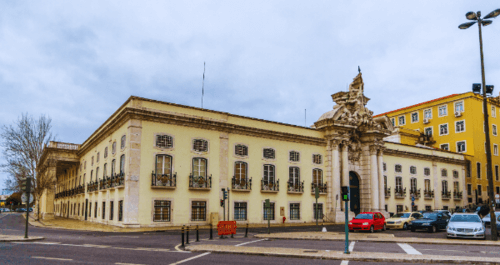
<point>294,179</point>
<point>413,185</point>
<point>269,177</point>
<point>199,167</point>
<point>163,172</point>
<point>268,153</point>
<point>164,141</point>
<point>399,183</point>
<point>240,175</point>
<point>200,145</point>
<point>241,150</point>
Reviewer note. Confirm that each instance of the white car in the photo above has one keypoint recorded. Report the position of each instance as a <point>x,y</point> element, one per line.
<point>466,225</point>
<point>487,218</point>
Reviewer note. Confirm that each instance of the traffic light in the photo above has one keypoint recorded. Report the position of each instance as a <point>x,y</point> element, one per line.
<point>24,184</point>
<point>225,194</point>
<point>221,203</point>
<point>345,193</point>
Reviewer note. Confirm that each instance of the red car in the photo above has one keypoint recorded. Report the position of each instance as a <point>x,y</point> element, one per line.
<point>369,221</point>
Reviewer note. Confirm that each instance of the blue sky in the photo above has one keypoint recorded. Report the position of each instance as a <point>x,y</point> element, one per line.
<point>78,61</point>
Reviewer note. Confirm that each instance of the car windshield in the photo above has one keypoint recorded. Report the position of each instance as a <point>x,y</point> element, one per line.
<point>401,215</point>
<point>465,218</point>
<point>430,215</point>
<point>364,216</point>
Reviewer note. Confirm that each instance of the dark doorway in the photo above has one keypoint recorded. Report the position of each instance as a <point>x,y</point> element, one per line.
<point>354,192</point>
<point>86,207</point>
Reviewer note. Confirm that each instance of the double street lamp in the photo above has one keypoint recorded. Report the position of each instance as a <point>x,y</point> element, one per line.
<point>476,17</point>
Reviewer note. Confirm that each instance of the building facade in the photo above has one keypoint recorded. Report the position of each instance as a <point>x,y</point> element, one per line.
<point>455,123</point>
<point>155,163</point>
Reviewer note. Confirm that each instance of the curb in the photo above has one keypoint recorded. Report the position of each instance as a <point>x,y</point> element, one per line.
<point>338,255</point>
<point>20,239</point>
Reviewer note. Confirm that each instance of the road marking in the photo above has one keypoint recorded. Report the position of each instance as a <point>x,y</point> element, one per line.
<point>95,246</point>
<point>344,262</point>
<point>178,248</point>
<point>102,246</point>
<point>250,242</point>
<point>37,257</point>
<point>409,249</point>
<point>128,263</point>
<point>188,259</point>
<point>351,246</point>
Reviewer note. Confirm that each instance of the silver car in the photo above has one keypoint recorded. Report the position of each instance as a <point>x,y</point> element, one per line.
<point>487,218</point>
<point>466,225</point>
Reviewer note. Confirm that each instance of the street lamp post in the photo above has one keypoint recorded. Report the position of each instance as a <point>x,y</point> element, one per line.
<point>484,22</point>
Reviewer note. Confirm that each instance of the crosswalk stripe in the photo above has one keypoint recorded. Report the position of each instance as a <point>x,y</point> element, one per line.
<point>409,249</point>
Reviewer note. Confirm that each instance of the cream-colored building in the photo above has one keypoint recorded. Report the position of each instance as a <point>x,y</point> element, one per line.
<point>155,163</point>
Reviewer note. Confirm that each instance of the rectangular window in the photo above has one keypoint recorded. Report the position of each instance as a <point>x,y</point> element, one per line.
<point>269,212</point>
<point>459,106</point>
<point>427,171</point>
<point>95,210</point>
<point>240,173</point>
<point>459,126</point>
<point>496,172</point>
<point>385,167</point>
<point>393,122</point>
<point>428,208</point>
<point>294,176</point>
<point>428,114</point>
<point>469,189</point>
<point>443,129</point>
<point>401,120</point>
<point>317,177</point>
<point>164,164</point>
<point>428,131</point>
<point>199,211</point>
<point>445,147</point>
<point>444,185</point>
<point>493,111</point>
<point>318,211</point>
<point>120,211</point>
<point>90,209</point>
<point>294,211</point>
<point>495,149</point>
<point>443,111</point>
<point>399,208</point>
<point>494,129</point>
<point>111,210</point>
<point>240,211</point>
<point>413,185</point>
<point>478,168</point>
<point>427,185</point>
<point>268,174</point>
<point>399,184</point>
<point>162,211</point>
<point>461,147</point>
<point>414,117</point>
<point>199,167</point>
<point>479,190</point>
<point>456,188</point>
<point>103,210</point>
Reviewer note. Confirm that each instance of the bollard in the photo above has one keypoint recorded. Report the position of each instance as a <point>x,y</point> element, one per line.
<point>187,236</point>
<point>197,234</point>
<point>246,231</point>
<point>182,233</point>
<point>211,235</point>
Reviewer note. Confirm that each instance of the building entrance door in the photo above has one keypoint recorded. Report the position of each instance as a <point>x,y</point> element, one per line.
<point>354,190</point>
<point>86,207</point>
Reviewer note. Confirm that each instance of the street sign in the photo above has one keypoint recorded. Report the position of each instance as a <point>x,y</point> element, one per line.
<point>316,192</point>
<point>412,198</point>
<point>24,197</point>
<point>226,228</point>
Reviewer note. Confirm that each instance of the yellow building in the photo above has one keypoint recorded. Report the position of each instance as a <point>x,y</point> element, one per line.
<point>155,163</point>
<point>456,123</point>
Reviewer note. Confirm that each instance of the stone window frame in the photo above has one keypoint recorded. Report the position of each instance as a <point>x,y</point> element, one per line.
<point>415,167</point>
<point>123,142</point>
<point>395,168</point>
<point>207,210</point>
<point>417,120</point>
<point>384,167</point>
<point>160,223</point>
<point>465,146</point>
<point>200,152</point>
<point>321,172</point>
<point>413,179</point>
<point>274,152</point>
<point>247,210</point>
<point>447,129</point>
<point>246,175</point>
<point>495,149</point>
<point>105,152</point>
<point>263,203</point>
<point>432,130</point>
<point>444,172</point>
<point>113,148</point>
<point>206,165</point>
<point>172,156</point>
<point>288,210</point>
<point>155,142</point>
<point>443,182</point>
<point>122,202</point>
<point>427,180</point>
<point>447,144</point>
<point>314,210</point>
<point>295,152</point>
<point>429,110</point>
<point>455,173</point>
<point>244,147</point>
<point>494,130</point>
<point>456,103</point>
<point>396,183</point>
<point>314,155</point>
<point>399,120</point>
<point>445,109</point>
<point>97,157</point>
<point>299,174</point>
<point>264,170</point>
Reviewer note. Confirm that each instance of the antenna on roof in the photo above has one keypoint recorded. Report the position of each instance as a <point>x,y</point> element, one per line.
<point>203,85</point>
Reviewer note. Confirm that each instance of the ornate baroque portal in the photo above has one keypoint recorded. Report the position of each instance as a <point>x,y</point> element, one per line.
<point>354,144</point>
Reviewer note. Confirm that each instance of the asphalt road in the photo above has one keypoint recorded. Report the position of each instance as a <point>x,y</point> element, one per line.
<point>68,246</point>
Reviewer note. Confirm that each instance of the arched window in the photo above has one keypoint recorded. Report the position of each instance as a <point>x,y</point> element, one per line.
<point>240,173</point>
<point>113,167</point>
<point>163,164</point>
<point>113,148</point>
<point>91,174</point>
<point>105,152</point>
<point>122,164</point>
<point>317,177</point>
<point>199,167</point>
<point>97,173</point>
<point>105,170</point>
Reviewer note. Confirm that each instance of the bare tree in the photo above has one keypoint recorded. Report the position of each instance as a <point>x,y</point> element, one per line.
<point>23,144</point>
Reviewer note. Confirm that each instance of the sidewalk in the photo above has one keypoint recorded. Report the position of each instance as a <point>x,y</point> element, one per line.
<point>339,255</point>
<point>382,238</point>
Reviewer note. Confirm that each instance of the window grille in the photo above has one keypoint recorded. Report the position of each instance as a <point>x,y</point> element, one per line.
<point>294,211</point>
<point>113,148</point>
<point>164,141</point>
<point>240,211</point>
<point>198,211</point>
<point>384,166</point>
<point>317,159</point>
<point>318,211</point>
<point>241,150</point>
<point>103,210</point>
<point>162,211</point>
<point>106,152</point>
<point>269,153</point>
<point>398,168</point>
<point>122,142</point>
<point>455,174</point>
<point>200,145</point>
<point>444,172</point>
<point>111,210</point>
<point>413,170</point>
<point>294,156</point>
<point>269,212</point>
<point>120,211</point>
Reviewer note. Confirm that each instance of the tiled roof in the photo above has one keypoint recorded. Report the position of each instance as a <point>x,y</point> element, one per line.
<point>409,107</point>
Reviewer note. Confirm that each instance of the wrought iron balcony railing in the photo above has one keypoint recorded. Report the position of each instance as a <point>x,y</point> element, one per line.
<point>92,186</point>
<point>241,183</point>
<point>164,180</point>
<point>400,193</point>
<point>295,187</point>
<point>321,186</point>
<point>415,193</point>
<point>387,192</point>
<point>266,185</point>
<point>446,195</point>
<point>428,194</point>
<point>457,195</point>
<point>200,182</point>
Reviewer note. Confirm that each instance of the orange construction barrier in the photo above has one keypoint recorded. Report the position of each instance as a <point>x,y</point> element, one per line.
<point>226,228</point>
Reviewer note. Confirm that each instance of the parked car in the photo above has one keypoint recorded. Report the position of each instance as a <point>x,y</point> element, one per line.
<point>401,220</point>
<point>487,218</point>
<point>432,221</point>
<point>31,209</point>
<point>483,210</point>
<point>21,210</point>
<point>5,210</point>
<point>498,225</point>
<point>466,225</point>
<point>445,212</point>
<point>367,221</point>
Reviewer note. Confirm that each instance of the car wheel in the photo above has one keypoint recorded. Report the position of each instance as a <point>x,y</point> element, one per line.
<point>385,228</point>
<point>413,229</point>
<point>352,231</point>
<point>405,226</point>
<point>432,229</point>
<point>371,229</point>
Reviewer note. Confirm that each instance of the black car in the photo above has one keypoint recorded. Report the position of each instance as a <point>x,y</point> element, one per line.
<point>431,221</point>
